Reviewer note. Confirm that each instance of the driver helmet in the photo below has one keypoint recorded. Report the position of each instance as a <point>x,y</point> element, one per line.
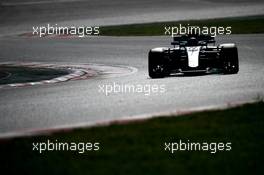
<point>192,41</point>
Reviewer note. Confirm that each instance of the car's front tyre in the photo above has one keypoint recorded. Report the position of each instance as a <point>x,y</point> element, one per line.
<point>157,66</point>
<point>229,57</point>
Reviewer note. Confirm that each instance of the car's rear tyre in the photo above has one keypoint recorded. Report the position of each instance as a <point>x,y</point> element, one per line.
<point>157,66</point>
<point>230,63</point>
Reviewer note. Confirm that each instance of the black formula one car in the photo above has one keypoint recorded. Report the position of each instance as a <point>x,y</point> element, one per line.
<point>191,54</point>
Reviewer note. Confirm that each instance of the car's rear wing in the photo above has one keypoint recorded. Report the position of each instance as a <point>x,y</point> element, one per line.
<point>182,40</point>
<point>206,38</point>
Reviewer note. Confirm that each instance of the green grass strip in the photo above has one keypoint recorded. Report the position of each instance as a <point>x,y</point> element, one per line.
<point>28,74</point>
<point>138,148</point>
<point>240,25</point>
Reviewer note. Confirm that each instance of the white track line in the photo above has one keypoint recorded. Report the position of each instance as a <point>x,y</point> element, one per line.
<point>79,71</point>
<point>123,120</point>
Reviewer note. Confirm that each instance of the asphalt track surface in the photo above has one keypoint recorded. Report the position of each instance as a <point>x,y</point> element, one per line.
<point>73,102</point>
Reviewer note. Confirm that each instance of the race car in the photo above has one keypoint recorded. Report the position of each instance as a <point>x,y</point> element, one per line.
<point>193,54</point>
